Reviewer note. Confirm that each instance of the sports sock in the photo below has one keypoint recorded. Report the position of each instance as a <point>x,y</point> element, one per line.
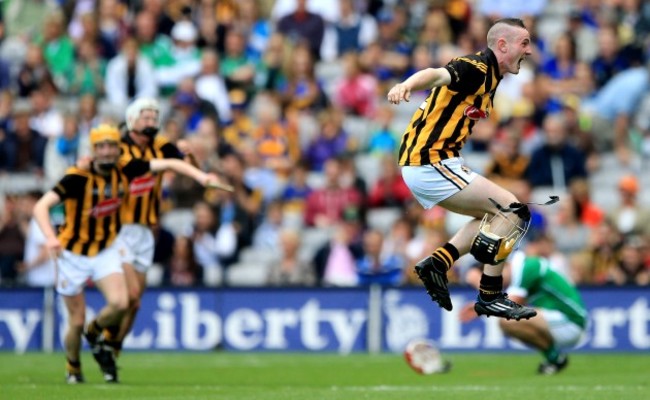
<point>444,257</point>
<point>490,287</point>
<point>93,330</point>
<point>551,354</point>
<point>73,367</point>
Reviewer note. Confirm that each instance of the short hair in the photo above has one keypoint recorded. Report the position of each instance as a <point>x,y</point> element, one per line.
<point>496,30</point>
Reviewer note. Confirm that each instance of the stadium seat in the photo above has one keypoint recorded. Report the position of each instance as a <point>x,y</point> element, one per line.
<point>178,221</point>
<point>247,274</point>
<point>382,219</point>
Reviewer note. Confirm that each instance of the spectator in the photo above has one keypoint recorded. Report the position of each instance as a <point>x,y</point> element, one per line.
<point>295,194</point>
<point>34,72</point>
<point>613,106</point>
<point>129,75</point>
<point>88,72</point>
<point>556,163</point>
<point>330,143</point>
<point>64,151</point>
<point>288,269</point>
<point>630,216</point>
<point>58,49</point>
<point>45,119</point>
<point>24,148</point>
<point>104,47</point>
<point>610,59</point>
<point>190,107</point>
<point>270,71</point>
<point>182,270</point>
<point>335,262</point>
<point>570,233</point>
<point>631,268</point>
<point>303,91</point>
<point>211,87</point>
<point>267,235</point>
<point>326,206</point>
<point>382,136</point>
<point>357,91</point>
<point>257,29</point>
<point>212,242</point>
<point>241,128</point>
<point>185,61</point>
<point>302,26</point>
<point>352,32</point>
<point>236,67</point>
<point>390,189</point>
<point>12,242</point>
<point>377,267</point>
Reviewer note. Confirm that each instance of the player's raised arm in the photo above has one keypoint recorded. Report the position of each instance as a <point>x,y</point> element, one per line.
<point>424,79</point>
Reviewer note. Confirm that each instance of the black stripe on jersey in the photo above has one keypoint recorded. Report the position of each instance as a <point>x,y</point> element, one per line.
<point>78,214</point>
<point>440,126</point>
<point>422,124</point>
<point>459,126</point>
<point>92,221</point>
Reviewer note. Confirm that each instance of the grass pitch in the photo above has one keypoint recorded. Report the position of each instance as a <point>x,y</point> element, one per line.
<point>167,376</point>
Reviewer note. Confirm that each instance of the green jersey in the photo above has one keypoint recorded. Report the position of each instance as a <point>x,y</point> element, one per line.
<point>544,287</point>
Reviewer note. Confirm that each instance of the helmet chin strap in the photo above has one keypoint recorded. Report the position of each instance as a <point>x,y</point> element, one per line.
<point>104,167</point>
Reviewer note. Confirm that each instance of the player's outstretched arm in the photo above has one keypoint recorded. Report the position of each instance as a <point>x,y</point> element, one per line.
<point>42,217</point>
<point>186,169</point>
<point>423,79</point>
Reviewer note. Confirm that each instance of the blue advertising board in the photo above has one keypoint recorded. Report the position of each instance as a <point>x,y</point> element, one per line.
<point>329,320</point>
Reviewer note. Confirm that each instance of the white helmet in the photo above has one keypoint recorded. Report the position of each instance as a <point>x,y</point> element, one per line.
<point>135,108</point>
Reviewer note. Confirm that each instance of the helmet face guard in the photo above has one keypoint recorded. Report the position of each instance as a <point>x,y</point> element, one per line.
<point>497,238</point>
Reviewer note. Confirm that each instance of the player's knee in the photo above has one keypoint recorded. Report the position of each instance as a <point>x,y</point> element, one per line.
<point>76,323</point>
<point>118,305</point>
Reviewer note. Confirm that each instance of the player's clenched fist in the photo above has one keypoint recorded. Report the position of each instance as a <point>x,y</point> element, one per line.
<point>398,93</point>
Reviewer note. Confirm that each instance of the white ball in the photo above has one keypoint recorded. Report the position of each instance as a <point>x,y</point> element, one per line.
<point>424,357</point>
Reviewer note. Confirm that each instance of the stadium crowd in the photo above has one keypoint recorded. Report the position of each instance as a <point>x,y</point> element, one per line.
<point>286,100</point>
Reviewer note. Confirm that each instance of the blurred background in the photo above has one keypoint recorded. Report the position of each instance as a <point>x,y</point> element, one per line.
<point>287,101</point>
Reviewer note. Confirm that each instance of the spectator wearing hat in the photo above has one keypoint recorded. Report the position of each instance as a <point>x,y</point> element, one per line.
<point>185,59</point>
<point>190,106</point>
<point>630,217</point>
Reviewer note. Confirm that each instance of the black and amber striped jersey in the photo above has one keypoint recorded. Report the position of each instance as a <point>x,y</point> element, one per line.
<point>443,122</point>
<point>142,202</point>
<point>91,202</point>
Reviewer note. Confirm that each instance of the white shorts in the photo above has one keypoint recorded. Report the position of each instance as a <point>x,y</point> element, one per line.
<point>566,334</point>
<point>135,244</point>
<point>73,270</point>
<point>431,184</point>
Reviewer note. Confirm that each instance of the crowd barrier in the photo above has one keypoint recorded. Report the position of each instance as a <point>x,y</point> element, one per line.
<point>370,319</point>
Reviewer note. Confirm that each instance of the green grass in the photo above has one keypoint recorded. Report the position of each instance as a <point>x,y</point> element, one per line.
<point>166,376</point>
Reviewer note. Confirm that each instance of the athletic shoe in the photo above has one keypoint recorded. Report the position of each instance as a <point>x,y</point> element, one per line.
<point>503,307</point>
<point>435,282</point>
<point>552,368</point>
<point>103,355</point>
<point>73,379</point>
